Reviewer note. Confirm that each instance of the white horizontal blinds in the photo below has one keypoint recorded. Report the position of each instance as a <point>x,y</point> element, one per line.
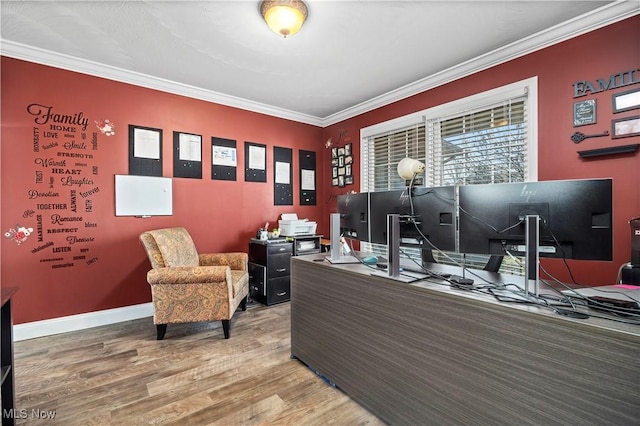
<point>380,165</point>
<point>483,145</point>
<point>482,138</point>
<point>385,152</point>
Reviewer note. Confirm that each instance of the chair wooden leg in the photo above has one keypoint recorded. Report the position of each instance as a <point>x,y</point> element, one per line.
<point>225,327</point>
<point>161,328</point>
<point>243,304</point>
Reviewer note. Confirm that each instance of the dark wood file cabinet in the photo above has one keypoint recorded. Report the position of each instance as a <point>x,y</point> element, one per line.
<point>269,270</point>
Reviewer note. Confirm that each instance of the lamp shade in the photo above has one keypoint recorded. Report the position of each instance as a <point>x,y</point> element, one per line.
<point>408,168</point>
<point>284,17</point>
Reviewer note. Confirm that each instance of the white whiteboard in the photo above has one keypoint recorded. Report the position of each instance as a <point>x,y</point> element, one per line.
<point>143,196</point>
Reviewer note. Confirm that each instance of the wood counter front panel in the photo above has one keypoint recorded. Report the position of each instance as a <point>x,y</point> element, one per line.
<point>412,355</point>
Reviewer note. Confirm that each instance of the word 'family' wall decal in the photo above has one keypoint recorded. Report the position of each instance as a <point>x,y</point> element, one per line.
<point>59,207</point>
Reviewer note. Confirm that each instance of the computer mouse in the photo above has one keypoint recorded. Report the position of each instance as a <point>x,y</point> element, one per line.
<point>370,260</point>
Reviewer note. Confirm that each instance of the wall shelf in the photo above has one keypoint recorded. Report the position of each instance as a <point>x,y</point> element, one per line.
<point>622,149</point>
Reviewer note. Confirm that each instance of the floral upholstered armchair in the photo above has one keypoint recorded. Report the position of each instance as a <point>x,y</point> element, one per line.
<point>191,287</point>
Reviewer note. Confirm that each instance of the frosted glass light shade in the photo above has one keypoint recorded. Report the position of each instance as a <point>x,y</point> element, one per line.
<point>284,17</point>
<point>408,168</point>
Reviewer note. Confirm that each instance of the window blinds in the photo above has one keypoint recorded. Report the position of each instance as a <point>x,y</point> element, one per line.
<point>384,152</point>
<point>485,145</point>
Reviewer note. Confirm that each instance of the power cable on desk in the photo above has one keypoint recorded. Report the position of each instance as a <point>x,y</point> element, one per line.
<point>455,263</point>
<point>589,300</point>
<point>541,301</point>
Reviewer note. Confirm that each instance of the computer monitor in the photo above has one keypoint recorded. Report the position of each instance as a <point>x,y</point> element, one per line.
<point>435,211</point>
<point>430,214</point>
<point>575,218</point>
<point>383,203</point>
<point>354,216</point>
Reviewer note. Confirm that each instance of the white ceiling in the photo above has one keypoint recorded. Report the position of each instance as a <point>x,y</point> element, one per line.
<point>349,57</point>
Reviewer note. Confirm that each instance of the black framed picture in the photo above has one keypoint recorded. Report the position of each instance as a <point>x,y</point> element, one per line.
<point>626,101</point>
<point>145,151</point>
<point>625,127</point>
<point>187,155</point>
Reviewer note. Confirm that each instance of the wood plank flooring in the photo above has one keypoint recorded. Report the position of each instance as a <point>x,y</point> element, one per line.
<point>120,375</point>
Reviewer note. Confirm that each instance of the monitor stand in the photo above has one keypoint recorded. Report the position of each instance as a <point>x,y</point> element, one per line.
<point>532,254</point>
<point>335,249</point>
<point>393,254</point>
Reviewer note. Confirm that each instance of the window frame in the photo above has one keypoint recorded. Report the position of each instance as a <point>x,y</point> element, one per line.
<point>478,100</point>
<point>528,87</point>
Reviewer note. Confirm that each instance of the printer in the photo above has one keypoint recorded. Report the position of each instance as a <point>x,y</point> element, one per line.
<point>291,226</point>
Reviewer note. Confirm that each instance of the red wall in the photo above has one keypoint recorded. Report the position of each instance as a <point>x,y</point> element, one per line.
<point>221,215</point>
<point>607,51</point>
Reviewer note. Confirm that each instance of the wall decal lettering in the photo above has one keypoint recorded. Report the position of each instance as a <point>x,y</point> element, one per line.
<point>621,79</point>
<point>44,114</point>
<point>61,202</point>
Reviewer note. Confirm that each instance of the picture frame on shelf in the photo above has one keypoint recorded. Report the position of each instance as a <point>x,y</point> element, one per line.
<point>626,101</point>
<point>584,112</point>
<point>625,127</point>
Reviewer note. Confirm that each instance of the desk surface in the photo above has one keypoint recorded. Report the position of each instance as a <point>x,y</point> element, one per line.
<point>426,353</point>
<point>480,277</point>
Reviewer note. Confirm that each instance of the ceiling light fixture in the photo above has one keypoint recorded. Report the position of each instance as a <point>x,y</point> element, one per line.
<point>284,17</point>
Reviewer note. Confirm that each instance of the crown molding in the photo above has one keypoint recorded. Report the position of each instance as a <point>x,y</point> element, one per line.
<point>45,57</point>
<point>583,24</point>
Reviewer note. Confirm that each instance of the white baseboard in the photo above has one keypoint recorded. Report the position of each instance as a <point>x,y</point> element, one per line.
<point>31,330</point>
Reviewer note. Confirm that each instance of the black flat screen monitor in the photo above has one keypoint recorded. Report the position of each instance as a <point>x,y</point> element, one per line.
<point>435,210</point>
<point>433,216</point>
<point>575,218</point>
<point>383,203</point>
<point>354,216</point>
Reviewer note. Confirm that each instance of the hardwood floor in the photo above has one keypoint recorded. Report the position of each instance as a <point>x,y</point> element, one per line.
<point>120,375</point>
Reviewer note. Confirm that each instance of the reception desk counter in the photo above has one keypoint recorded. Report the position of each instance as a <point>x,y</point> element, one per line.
<point>424,353</point>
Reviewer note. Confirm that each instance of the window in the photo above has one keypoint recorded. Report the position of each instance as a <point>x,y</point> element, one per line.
<point>383,154</point>
<point>485,138</point>
<point>487,145</point>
